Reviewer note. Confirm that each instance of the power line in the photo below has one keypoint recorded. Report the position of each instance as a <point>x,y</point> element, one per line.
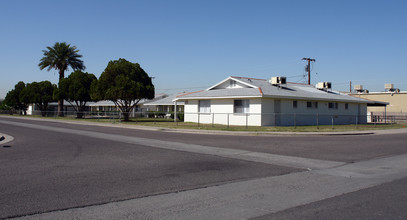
<point>302,75</point>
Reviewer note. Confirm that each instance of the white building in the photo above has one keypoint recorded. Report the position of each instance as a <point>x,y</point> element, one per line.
<point>258,102</point>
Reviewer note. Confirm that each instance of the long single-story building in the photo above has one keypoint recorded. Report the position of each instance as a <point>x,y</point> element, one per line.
<point>109,106</point>
<point>166,104</point>
<point>275,102</point>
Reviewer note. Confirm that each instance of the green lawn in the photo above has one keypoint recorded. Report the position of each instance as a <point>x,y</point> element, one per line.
<point>169,123</point>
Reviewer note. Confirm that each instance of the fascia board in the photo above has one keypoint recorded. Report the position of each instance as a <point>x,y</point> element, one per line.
<point>173,103</point>
<point>318,99</point>
<point>222,97</point>
<point>217,84</point>
<point>244,83</point>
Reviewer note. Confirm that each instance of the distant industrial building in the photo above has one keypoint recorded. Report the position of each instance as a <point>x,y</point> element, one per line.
<point>397,100</point>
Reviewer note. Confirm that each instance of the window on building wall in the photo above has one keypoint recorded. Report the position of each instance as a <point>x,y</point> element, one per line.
<point>242,106</point>
<point>204,106</point>
<point>312,104</point>
<point>232,83</point>
<point>295,104</point>
<point>333,105</point>
<point>346,106</point>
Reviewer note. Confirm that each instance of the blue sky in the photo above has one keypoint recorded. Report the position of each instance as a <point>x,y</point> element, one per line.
<point>191,45</point>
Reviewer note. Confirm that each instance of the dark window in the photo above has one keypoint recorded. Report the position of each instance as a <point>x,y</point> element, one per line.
<point>241,106</point>
<point>346,105</point>
<point>295,104</point>
<point>333,105</point>
<point>312,104</point>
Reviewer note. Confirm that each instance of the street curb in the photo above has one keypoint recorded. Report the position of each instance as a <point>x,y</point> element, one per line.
<point>7,139</point>
<point>220,132</point>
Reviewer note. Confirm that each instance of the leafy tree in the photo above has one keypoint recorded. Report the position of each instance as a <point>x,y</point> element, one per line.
<point>76,89</point>
<point>60,57</point>
<point>125,84</point>
<point>13,98</point>
<point>39,93</point>
<point>3,105</point>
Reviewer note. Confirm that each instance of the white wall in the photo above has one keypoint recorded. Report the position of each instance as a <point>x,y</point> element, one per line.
<point>322,115</point>
<point>222,113</point>
<point>263,113</point>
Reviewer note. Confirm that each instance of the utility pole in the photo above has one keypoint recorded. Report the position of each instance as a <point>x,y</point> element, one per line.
<point>350,86</point>
<point>309,68</point>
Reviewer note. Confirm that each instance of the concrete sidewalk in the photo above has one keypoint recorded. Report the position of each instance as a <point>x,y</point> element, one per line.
<point>7,138</point>
<point>220,132</point>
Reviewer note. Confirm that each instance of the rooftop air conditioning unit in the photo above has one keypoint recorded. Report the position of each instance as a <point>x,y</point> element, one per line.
<point>279,80</point>
<point>324,85</point>
<point>389,86</point>
<point>358,87</point>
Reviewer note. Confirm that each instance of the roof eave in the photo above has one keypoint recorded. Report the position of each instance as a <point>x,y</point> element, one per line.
<point>218,97</point>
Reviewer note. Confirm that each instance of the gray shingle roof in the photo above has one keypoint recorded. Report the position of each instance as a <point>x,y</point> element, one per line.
<point>262,88</point>
<point>166,101</point>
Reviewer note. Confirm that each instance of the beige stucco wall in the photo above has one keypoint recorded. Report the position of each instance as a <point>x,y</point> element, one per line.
<point>397,101</point>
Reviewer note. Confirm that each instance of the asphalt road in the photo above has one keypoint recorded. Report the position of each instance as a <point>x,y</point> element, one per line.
<point>387,201</point>
<point>350,148</point>
<point>44,170</point>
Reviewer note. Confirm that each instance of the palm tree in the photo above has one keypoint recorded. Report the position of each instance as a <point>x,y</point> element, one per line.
<point>60,57</point>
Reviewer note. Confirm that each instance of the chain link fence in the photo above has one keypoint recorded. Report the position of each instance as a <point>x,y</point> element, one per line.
<point>274,119</point>
<point>231,119</point>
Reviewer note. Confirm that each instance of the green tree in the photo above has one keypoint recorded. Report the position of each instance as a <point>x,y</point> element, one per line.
<point>13,98</point>
<point>125,84</point>
<point>3,105</point>
<point>76,89</point>
<point>39,93</point>
<point>60,57</point>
